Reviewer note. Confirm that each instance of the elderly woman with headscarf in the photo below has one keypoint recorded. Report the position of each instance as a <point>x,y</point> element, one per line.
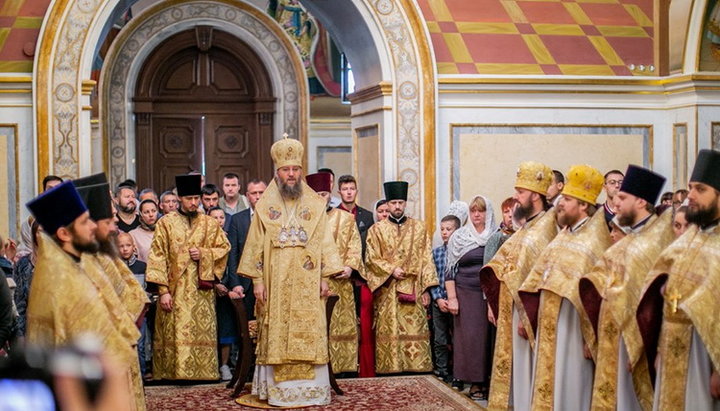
<point>471,339</point>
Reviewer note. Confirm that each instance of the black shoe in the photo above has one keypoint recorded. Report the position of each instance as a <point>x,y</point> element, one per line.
<point>458,385</point>
<point>447,379</point>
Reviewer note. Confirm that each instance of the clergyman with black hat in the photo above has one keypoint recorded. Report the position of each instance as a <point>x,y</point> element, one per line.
<point>610,294</point>
<point>188,254</point>
<point>68,295</point>
<point>95,192</point>
<point>400,271</point>
<point>289,255</point>
<point>683,290</point>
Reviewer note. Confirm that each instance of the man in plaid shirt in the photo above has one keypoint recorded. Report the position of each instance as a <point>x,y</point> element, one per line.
<point>441,319</point>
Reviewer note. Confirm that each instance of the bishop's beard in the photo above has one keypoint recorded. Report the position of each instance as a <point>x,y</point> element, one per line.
<point>289,192</point>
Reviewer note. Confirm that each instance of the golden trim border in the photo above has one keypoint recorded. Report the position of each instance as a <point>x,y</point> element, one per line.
<point>452,126</point>
<point>371,111</point>
<point>16,79</point>
<point>580,81</point>
<point>382,89</point>
<point>688,89</point>
<point>88,86</point>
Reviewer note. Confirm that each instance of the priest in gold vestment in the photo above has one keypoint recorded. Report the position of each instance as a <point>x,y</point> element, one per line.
<point>130,295</point>
<point>563,373</point>
<point>610,294</point>
<point>95,193</point>
<point>188,253</point>
<point>501,278</point>
<point>343,335</point>
<point>681,290</point>
<point>290,254</point>
<point>400,270</point>
<point>70,294</point>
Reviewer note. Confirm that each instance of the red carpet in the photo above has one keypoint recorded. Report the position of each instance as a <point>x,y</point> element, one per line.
<point>408,393</point>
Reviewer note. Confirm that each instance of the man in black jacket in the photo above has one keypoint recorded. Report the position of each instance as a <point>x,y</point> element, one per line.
<point>347,188</point>
<point>237,234</point>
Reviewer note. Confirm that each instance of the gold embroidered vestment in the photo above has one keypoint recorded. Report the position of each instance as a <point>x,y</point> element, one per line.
<point>402,337</point>
<point>185,340</point>
<point>344,324</point>
<point>289,248</point>
<point>618,279</point>
<point>504,275</point>
<point>556,274</point>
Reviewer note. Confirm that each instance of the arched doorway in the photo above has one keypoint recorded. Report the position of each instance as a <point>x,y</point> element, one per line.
<point>203,101</point>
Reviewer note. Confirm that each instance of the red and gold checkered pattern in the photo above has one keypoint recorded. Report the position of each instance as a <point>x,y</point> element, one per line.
<point>566,37</point>
<point>20,22</point>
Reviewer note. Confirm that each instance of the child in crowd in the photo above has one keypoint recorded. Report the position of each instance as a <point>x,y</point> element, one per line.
<point>441,318</point>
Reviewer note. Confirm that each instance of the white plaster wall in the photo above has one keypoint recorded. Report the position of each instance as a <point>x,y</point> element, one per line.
<point>16,109</point>
<point>588,105</point>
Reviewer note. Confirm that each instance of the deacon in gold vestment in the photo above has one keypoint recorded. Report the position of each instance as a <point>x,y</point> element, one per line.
<point>70,295</point>
<point>187,247</point>
<point>130,295</point>
<point>400,270</point>
<point>501,278</point>
<point>344,322</point>
<point>563,374</point>
<point>682,288</point>
<point>289,255</point>
<point>610,294</point>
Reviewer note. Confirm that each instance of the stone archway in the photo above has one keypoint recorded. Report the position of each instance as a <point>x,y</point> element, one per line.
<point>136,41</point>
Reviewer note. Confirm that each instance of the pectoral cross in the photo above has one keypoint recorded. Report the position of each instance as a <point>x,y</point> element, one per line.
<point>674,300</point>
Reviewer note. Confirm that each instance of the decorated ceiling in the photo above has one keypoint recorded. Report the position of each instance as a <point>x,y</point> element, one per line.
<point>469,37</point>
<point>565,37</point>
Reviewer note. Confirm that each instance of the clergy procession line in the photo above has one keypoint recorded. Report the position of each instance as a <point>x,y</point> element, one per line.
<point>567,304</point>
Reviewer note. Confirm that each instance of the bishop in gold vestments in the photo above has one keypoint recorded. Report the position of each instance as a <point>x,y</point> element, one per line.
<point>562,375</point>
<point>289,255</point>
<point>610,294</point>
<point>402,336</point>
<point>185,340</point>
<point>682,290</point>
<point>344,322</point>
<point>501,278</point>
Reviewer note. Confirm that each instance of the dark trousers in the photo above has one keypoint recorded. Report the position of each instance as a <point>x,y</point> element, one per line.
<point>442,328</point>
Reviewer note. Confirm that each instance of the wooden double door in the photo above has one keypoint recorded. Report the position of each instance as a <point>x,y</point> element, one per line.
<point>203,102</point>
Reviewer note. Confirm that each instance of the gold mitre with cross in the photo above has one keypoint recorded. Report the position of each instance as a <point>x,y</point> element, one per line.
<point>287,152</point>
<point>584,183</point>
<point>534,176</point>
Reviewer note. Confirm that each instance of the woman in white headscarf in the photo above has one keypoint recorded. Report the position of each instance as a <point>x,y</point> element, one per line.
<point>471,337</point>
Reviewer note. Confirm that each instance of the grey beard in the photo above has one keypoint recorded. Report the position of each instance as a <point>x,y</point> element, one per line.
<point>289,192</point>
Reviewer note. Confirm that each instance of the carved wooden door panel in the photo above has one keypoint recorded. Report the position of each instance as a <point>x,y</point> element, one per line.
<point>176,147</point>
<point>233,143</point>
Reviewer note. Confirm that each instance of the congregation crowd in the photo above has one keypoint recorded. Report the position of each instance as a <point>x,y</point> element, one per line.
<point>565,303</point>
